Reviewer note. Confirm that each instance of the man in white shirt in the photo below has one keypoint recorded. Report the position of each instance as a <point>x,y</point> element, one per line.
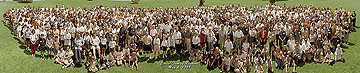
<point>238,36</point>
<point>153,32</point>
<point>211,39</point>
<point>178,40</point>
<point>222,36</point>
<point>147,47</point>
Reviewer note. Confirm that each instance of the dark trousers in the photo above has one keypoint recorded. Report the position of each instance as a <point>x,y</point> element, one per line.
<point>354,22</point>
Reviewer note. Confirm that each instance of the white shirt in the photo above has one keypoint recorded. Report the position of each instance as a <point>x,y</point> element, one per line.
<point>228,46</point>
<point>177,37</point>
<point>291,45</point>
<point>112,44</point>
<point>238,34</point>
<point>156,41</point>
<point>153,32</point>
<point>211,37</point>
<point>245,46</point>
<point>171,41</point>
<point>67,39</point>
<point>164,43</point>
<point>252,32</point>
<point>33,37</point>
<point>147,40</point>
<point>103,41</point>
<point>195,40</point>
<point>95,40</point>
<point>79,41</point>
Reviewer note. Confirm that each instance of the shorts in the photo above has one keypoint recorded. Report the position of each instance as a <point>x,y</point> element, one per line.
<point>27,39</point>
<point>42,48</point>
<point>195,46</point>
<point>164,48</point>
<point>102,46</point>
<point>178,48</point>
<point>112,49</point>
<point>49,49</point>
<point>156,48</point>
<point>147,47</point>
<point>54,50</point>
<point>263,43</point>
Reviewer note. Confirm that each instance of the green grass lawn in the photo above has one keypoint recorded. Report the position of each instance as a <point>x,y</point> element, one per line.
<point>13,59</point>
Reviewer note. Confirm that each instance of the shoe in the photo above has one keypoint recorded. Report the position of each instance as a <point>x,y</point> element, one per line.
<point>63,67</point>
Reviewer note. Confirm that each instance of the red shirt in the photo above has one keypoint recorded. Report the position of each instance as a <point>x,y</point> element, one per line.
<point>263,35</point>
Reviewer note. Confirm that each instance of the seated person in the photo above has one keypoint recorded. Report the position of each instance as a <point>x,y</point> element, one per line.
<point>317,56</point>
<point>204,57</point>
<point>269,65</point>
<point>258,67</point>
<point>67,59</point>
<point>192,56</point>
<point>226,63</point>
<point>198,55</point>
<point>91,63</point>
<point>110,61</point>
<point>101,62</point>
<point>119,56</point>
<point>59,56</point>
<point>329,57</point>
<point>211,60</point>
<point>338,53</point>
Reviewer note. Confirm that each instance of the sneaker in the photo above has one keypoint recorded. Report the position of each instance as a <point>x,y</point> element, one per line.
<point>63,67</point>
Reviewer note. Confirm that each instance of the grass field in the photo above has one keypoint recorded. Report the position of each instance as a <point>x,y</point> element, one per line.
<point>13,59</point>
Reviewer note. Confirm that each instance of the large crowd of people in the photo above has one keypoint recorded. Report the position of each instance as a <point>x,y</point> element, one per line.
<point>231,38</point>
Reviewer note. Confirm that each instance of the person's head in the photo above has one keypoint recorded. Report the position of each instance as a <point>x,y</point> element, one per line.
<point>68,48</point>
<point>90,54</point>
<point>78,36</point>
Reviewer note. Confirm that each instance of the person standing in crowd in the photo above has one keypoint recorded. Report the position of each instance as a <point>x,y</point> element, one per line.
<point>34,40</point>
<point>211,39</point>
<point>147,47</point>
<point>67,38</point>
<point>42,47</point>
<point>178,41</point>
<point>156,43</point>
<point>188,36</point>
<point>195,42</point>
<point>238,38</point>
<point>222,36</point>
<point>103,44</point>
<point>202,39</point>
<point>263,34</point>
<point>79,41</point>
<point>49,45</point>
<point>171,41</point>
<point>112,45</point>
<point>282,37</point>
<point>164,44</point>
